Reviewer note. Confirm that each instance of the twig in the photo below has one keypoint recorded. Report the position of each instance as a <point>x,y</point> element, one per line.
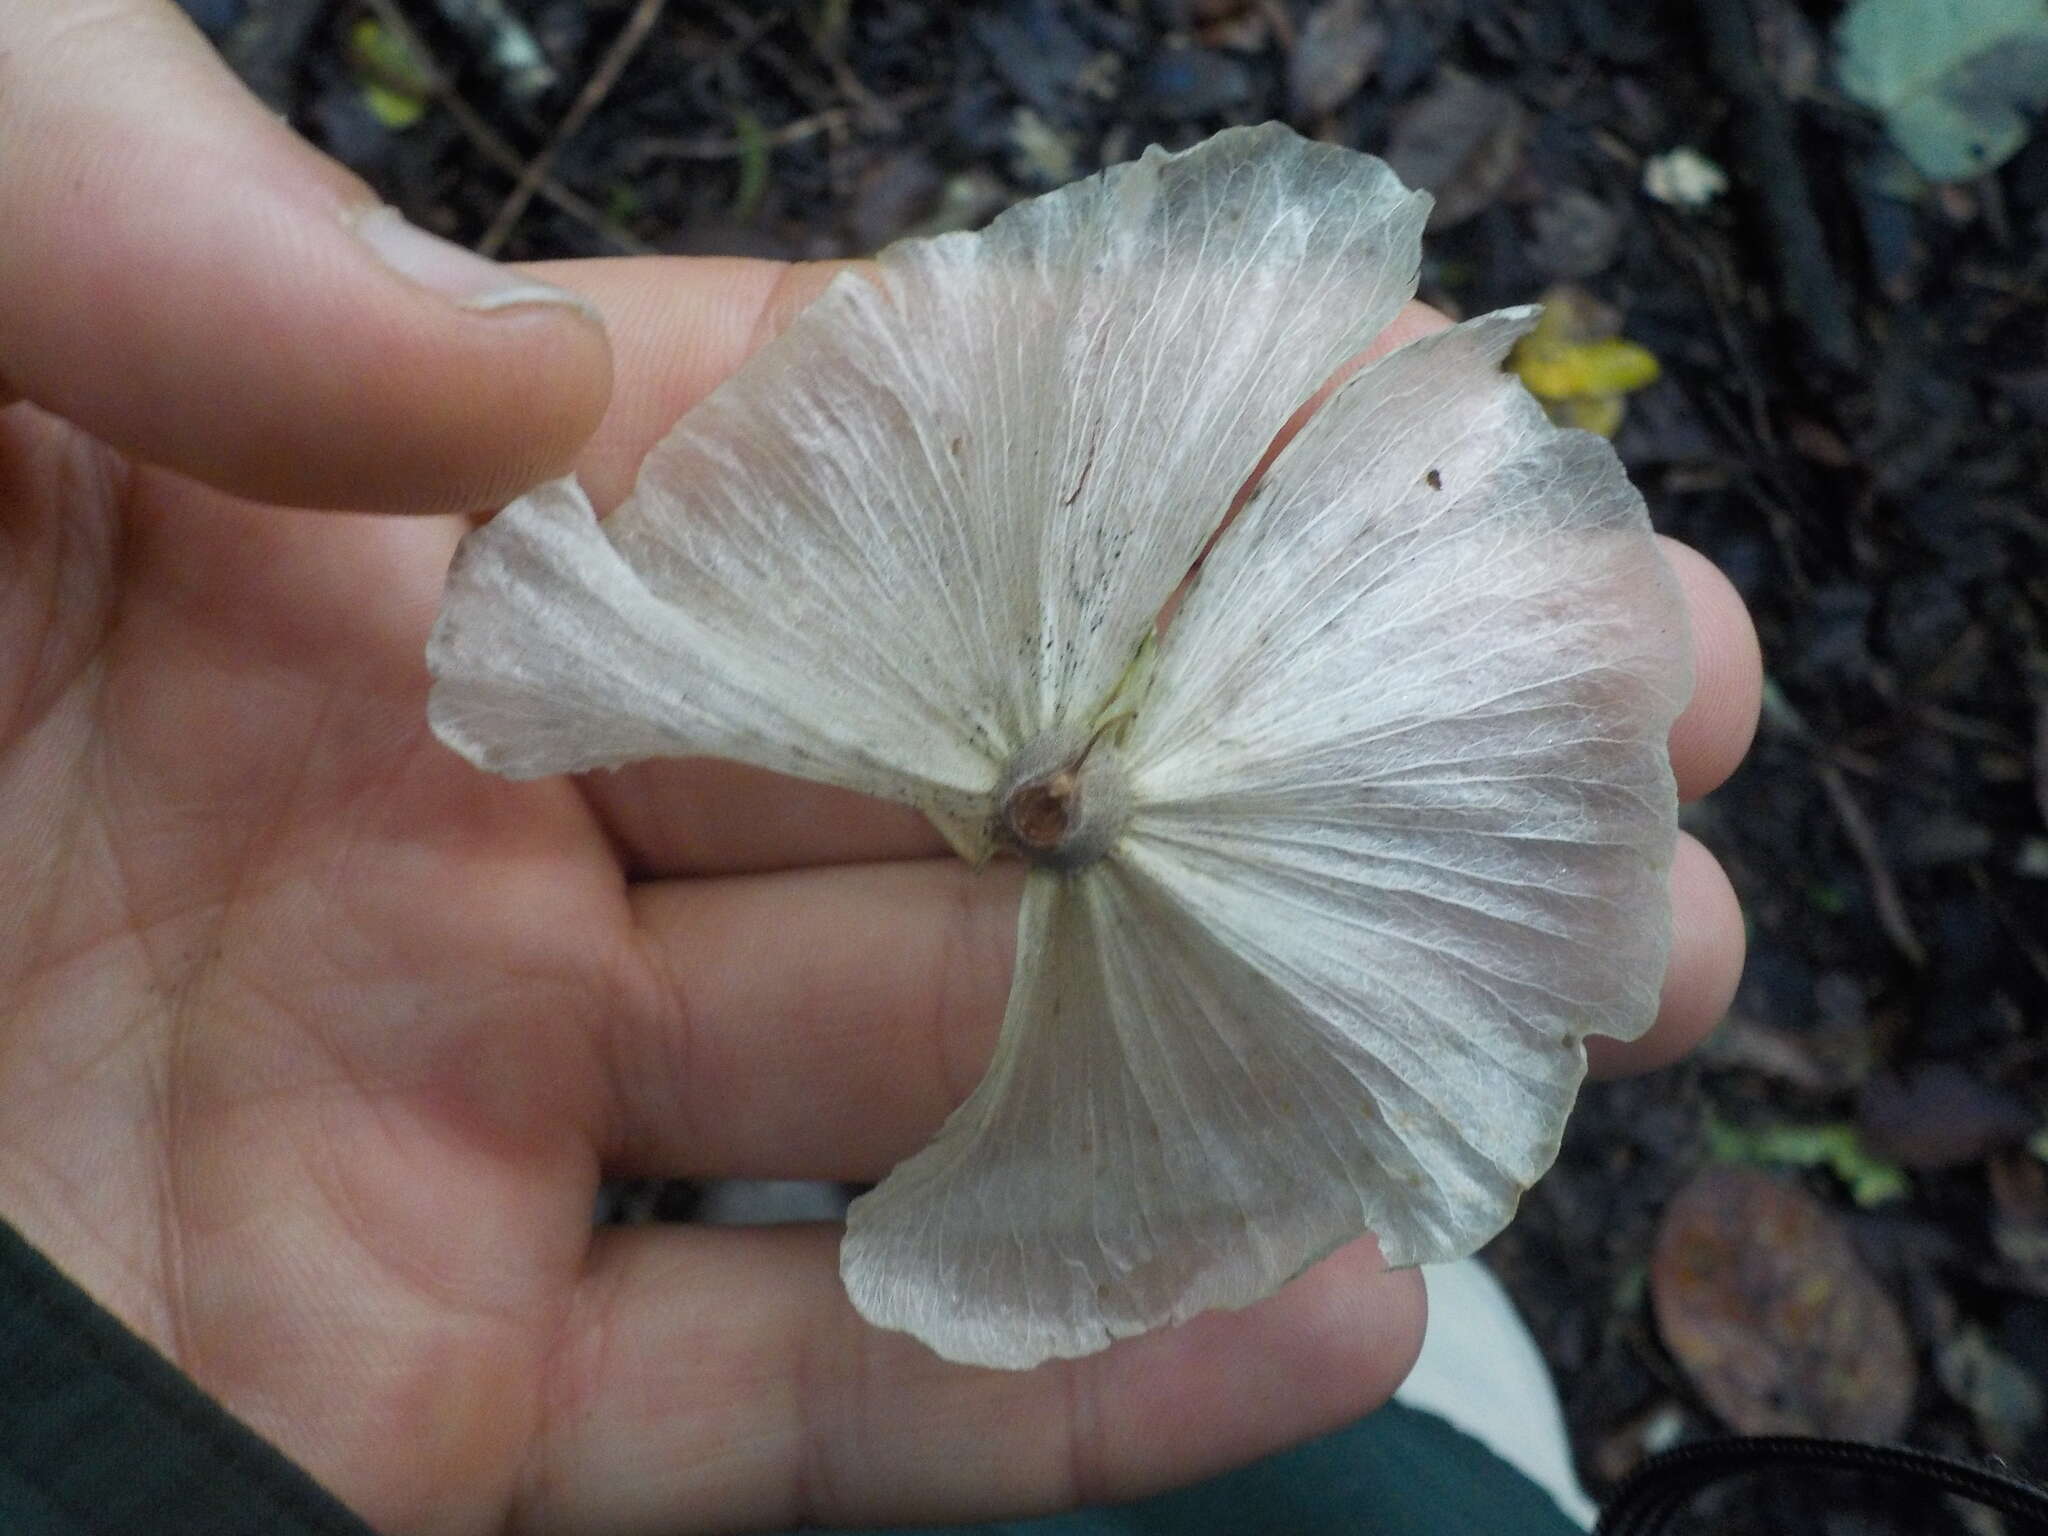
<point>588,100</point>
<point>2020,931</point>
<point>728,148</point>
<point>1884,891</point>
<point>1779,517</point>
<point>484,139</point>
<point>1762,129</point>
<point>1966,727</point>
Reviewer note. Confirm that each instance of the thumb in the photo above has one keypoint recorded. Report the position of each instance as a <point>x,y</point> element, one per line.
<point>186,279</point>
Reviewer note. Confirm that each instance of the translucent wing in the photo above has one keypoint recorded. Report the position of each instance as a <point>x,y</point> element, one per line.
<point>1404,822</point>
<point>552,655</point>
<point>1406,751</point>
<point>937,516</point>
<point>1165,1129</point>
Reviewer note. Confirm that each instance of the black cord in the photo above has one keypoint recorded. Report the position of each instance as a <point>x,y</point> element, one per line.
<point>1661,1487</point>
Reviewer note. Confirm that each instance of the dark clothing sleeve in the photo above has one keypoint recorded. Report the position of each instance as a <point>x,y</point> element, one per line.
<point>101,1436</point>
<point>1396,1472</point>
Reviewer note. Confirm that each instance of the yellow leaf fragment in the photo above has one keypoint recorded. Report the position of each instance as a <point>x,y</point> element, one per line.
<point>395,111</point>
<point>396,86</point>
<point>1578,366</point>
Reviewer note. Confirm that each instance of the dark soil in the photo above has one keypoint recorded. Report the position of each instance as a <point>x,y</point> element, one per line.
<point>1853,421</point>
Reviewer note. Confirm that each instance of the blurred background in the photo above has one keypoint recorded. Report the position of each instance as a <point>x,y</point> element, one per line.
<point>1797,257</point>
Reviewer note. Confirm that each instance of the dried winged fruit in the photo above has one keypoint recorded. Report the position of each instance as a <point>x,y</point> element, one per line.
<point>1330,880</point>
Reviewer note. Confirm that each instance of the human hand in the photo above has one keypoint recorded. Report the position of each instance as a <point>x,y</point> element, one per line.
<point>317,1041</point>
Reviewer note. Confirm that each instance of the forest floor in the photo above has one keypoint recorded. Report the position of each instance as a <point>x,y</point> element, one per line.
<point>1852,420</point>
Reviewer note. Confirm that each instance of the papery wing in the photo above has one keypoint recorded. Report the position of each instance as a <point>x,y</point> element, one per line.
<point>552,655</point>
<point>947,504</point>
<point>1405,751</point>
<point>1164,1129</point>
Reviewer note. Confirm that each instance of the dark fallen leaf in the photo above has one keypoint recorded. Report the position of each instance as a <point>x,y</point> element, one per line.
<point>893,192</point>
<point>1923,617</point>
<point>2019,1216</point>
<point>1759,1295</point>
<point>1414,43</point>
<point>1184,83</point>
<point>1939,1115</point>
<point>1032,48</point>
<point>1576,234</point>
<point>1461,142</point>
<point>2028,389</point>
<point>1241,29</point>
<point>1818,443</point>
<point>1744,1044</point>
<point>1336,53</point>
<point>2002,1397</point>
<point>1788,47</point>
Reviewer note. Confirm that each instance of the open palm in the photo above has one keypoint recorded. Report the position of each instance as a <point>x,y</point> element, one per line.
<point>317,1041</point>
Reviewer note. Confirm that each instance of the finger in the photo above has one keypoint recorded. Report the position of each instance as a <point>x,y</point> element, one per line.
<point>186,279</point>
<point>679,326</point>
<point>823,1023</point>
<point>1707,949</point>
<point>718,1379</point>
<point>849,1009</point>
<point>1712,735</point>
<point>699,816</point>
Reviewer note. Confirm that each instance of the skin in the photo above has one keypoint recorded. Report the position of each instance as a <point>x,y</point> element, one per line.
<point>314,1041</point>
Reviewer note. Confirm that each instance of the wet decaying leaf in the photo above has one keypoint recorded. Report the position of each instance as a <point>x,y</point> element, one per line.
<point>1461,143</point>
<point>1339,47</point>
<point>2019,1217</point>
<point>1939,1116</point>
<point>1575,233</point>
<point>1762,1299</point>
<point>2002,1397</point>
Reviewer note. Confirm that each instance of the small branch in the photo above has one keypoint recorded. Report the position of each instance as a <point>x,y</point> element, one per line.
<point>1762,129</point>
<point>486,142</point>
<point>727,148</point>
<point>1884,890</point>
<point>588,100</point>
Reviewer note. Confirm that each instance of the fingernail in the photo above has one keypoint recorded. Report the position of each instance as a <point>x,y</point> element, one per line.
<point>472,281</point>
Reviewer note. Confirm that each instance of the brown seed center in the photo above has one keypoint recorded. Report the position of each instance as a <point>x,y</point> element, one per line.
<point>1063,800</point>
<point>1038,814</point>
